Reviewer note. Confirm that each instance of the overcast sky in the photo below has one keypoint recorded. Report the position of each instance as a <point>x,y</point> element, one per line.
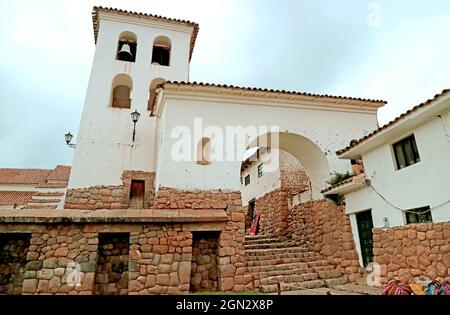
<point>395,50</point>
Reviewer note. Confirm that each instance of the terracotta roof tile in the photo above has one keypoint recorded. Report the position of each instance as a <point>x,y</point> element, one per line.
<point>15,197</point>
<point>60,173</point>
<point>391,123</point>
<point>97,9</point>
<point>22,176</point>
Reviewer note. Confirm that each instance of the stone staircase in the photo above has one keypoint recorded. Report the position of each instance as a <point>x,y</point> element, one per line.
<point>271,261</point>
<point>47,200</point>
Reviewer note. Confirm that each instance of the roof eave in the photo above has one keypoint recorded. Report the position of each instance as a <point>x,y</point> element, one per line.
<point>346,188</point>
<point>415,117</point>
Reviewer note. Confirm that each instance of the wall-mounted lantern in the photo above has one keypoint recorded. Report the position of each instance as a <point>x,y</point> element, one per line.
<point>135,118</point>
<point>68,136</point>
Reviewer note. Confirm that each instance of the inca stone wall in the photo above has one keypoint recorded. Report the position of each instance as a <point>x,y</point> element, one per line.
<point>168,198</point>
<point>204,272</point>
<point>66,258</point>
<point>111,197</point>
<point>111,276</point>
<point>96,198</point>
<point>160,260</point>
<point>13,253</point>
<point>413,251</point>
<point>324,228</point>
<point>232,270</point>
<point>61,260</point>
<point>274,213</point>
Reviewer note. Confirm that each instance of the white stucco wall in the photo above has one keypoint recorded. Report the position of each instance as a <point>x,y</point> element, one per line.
<point>258,187</point>
<point>329,130</point>
<point>270,180</point>
<point>422,184</point>
<point>104,141</point>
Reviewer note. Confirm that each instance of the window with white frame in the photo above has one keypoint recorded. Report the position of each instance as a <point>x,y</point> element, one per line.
<point>406,153</point>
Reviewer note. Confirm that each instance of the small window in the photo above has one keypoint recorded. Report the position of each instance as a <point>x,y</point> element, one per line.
<point>247,180</point>
<point>137,190</point>
<point>406,152</point>
<point>161,51</point>
<point>419,215</point>
<point>260,170</point>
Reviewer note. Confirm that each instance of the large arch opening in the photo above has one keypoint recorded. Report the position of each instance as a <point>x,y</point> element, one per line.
<point>308,153</point>
<point>278,172</point>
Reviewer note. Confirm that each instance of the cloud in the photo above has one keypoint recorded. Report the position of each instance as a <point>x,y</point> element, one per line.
<point>321,46</point>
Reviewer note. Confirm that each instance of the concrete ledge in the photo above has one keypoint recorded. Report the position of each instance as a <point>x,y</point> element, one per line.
<point>112,216</point>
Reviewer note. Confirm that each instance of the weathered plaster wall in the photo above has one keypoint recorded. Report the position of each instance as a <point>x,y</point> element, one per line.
<point>337,129</point>
<point>104,142</point>
<point>418,185</point>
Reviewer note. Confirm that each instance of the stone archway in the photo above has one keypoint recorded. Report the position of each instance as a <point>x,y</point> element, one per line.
<point>310,155</point>
<point>269,193</point>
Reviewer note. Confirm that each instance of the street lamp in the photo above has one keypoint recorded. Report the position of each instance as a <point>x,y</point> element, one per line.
<point>135,117</point>
<point>68,136</point>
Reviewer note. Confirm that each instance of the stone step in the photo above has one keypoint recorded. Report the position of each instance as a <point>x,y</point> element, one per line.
<point>303,285</point>
<point>334,282</point>
<point>277,267</point>
<point>256,237</point>
<point>337,283</point>
<point>261,241</point>
<point>327,274</point>
<point>287,278</point>
<point>280,259</point>
<point>359,289</point>
<point>290,263</point>
<point>278,244</point>
<point>283,273</point>
<point>261,253</point>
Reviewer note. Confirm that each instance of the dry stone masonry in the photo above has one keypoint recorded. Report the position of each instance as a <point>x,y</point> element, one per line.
<point>13,253</point>
<point>415,251</point>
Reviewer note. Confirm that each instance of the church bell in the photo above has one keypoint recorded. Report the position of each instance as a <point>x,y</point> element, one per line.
<point>125,49</point>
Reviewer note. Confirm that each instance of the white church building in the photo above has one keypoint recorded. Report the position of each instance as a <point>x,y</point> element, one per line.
<point>162,174</point>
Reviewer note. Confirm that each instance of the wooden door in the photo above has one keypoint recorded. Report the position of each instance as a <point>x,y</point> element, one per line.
<point>137,194</point>
<point>365,226</point>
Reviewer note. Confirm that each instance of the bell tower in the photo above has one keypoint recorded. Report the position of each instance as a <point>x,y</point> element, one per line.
<point>134,53</point>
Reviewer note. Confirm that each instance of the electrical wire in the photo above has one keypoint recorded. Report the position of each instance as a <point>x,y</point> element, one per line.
<point>403,210</point>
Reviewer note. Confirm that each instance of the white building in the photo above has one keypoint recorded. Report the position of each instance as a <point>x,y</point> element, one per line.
<point>407,170</point>
<point>142,63</point>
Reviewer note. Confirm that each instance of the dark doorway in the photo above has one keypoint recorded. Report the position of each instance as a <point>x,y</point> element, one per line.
<point>13,253</point>
<point>365,226</point>
<point>204,270</point>
<point>137,192</point>
<point>251,209</point>
<point>111,274</point>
